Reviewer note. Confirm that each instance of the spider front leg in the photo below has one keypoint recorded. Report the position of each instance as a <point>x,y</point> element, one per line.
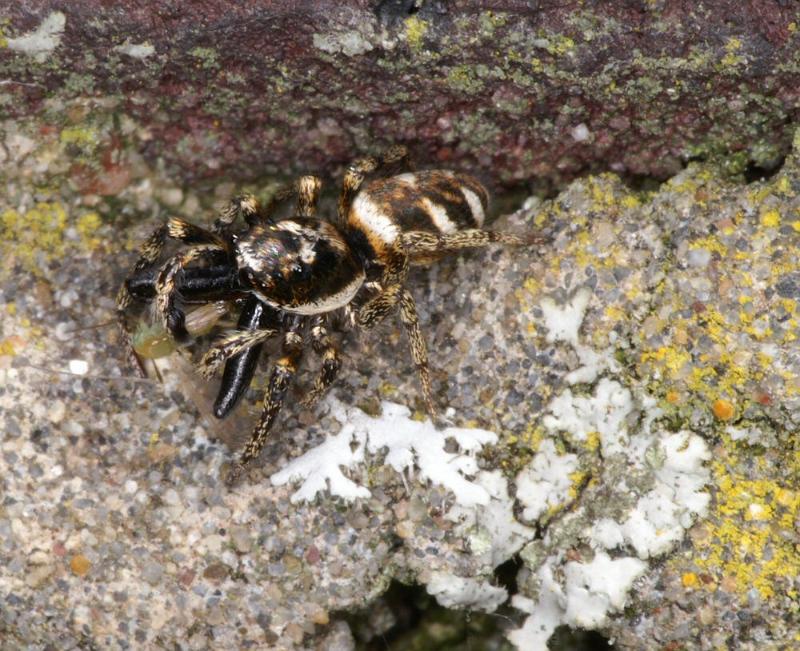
<point>177,229</point>
<point>331,363</point>
<point>170,312</point>
<point>280,380</point>
<point>250,209</point>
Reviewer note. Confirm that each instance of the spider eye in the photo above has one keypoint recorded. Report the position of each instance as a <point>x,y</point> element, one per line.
<point>246,276</point>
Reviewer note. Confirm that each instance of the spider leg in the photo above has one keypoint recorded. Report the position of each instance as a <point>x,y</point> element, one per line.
<point>151,250</point>
<point>279,382</point>
<point>331,362</point>
<point>421,243</point>
<point>307,189</point>
<point>167,308</point>
<point>240,367</point>
<point>249,208</point>
<point>357,171</point>
<point>379,306</point>
<point>419,350</point>
<point>230,345</point>
<point>246,206</point>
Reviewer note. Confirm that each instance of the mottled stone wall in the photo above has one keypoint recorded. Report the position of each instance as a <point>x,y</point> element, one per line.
<point>515,90</point>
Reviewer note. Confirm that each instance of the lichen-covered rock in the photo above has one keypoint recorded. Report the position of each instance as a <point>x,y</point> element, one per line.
<point>520,91</point>
<point>624,405</point>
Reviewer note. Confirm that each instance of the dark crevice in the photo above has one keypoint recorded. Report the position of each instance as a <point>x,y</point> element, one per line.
<point>571,639</point>
<point>505,574</point>
<point>407,618</point>
<point>753,172</point>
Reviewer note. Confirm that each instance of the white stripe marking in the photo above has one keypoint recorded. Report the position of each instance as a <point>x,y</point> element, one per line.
<point>324,304</point>
<point>409,178</point>
<point>367,215</point>
<point>439,216</point>
<point>475,205</point>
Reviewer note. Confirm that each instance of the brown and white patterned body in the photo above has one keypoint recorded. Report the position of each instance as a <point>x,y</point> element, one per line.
<point>437,202</point>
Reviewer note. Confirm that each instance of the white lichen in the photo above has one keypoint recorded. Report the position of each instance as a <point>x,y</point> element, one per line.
<point>493,533</point>
<point>459,592</point>
<point>604,412</point>
<point>597,588</point>
<point>545,482</point>
<point>406,443</point>
<point>664,473</point>
<point>564,321</point>
<point>43,40</point>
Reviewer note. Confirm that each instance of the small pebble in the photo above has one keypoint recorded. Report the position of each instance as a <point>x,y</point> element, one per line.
<point>78,366</point>
<point>152,573</point>
<point>57,411</point>
<point>80,565</point>
<point>723,409</point>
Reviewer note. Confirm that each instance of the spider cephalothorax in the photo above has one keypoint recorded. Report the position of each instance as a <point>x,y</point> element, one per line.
<point>290,277</point>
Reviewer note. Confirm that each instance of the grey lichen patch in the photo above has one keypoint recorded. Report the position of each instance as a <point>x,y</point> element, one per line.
<point>39,43</point>
<point>349,42</point>
<point>136,50</point>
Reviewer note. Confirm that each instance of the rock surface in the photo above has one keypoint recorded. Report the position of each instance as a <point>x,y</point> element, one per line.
<point>627,399</point>
<point>520,92</point>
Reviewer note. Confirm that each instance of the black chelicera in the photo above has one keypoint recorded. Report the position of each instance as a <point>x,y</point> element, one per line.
<point>291,277</point>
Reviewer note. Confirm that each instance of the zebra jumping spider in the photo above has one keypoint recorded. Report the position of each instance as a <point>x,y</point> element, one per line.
<point>290,277</point>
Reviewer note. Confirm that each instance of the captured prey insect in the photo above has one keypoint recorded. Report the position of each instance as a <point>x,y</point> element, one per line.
<point>290,278</point>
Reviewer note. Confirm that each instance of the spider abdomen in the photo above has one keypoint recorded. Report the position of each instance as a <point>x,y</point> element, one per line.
<point>432,201</point>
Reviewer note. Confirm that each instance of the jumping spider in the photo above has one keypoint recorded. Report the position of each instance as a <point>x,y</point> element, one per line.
<point>291,276</point>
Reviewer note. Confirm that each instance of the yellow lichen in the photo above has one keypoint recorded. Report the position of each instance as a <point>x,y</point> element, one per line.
<point>415,31</point>
<point>689,580</point>
<point>87,226</point>
<point>771,218</point>
<point>751,542</point>
<point>710,243</point>
<point>560,45</point>
<point>81,136</point>
<point>40,234</point>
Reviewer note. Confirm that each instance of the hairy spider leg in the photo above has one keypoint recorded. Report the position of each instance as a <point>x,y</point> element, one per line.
<point>423,244</point>
<point>177,229</point>
<point>231,344</point>
<point>419,350</point>
<point>167,307</point>
<point>250,209</point>
<point>331,362</point>
<point>393,158</point>
<point>280,380</point>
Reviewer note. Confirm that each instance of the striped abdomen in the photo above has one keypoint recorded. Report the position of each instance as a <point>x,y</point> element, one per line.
<point>434,201</point>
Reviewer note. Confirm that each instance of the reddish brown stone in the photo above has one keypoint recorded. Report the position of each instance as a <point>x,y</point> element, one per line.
<point>518,91</point>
